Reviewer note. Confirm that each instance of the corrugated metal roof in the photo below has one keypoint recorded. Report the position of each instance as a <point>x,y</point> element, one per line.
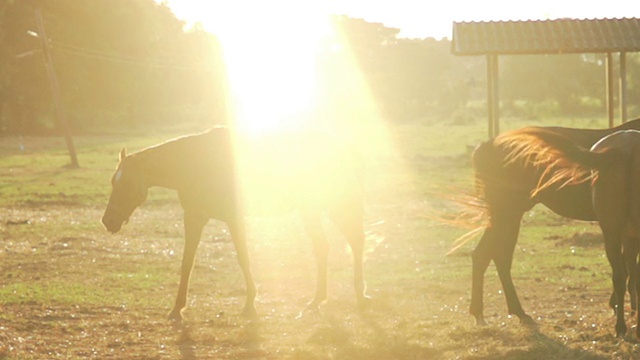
<point>546,36</point>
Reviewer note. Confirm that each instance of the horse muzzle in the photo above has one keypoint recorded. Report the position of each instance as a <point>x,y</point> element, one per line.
<point>112,225</point>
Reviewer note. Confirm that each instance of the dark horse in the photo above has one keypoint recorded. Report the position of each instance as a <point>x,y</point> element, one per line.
<point>208,178</point>
<point>510,186</point>
<point>616,198</point>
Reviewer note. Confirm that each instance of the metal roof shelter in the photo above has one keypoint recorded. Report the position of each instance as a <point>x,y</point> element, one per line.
<point>562,36</point>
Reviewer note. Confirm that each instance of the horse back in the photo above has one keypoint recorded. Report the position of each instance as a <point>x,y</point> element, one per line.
<point>521,150</point>
<point>509,179</point>
<point>206,166</point>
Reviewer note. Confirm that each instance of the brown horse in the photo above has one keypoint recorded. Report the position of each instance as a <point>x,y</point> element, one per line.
<point>616,199</point>
<point>205,171</point>
<point>510,186</point>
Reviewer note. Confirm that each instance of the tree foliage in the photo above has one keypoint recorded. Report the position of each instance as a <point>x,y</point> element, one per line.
<point>119,62</point>
<point>132,63</point>
<point>420,77</point>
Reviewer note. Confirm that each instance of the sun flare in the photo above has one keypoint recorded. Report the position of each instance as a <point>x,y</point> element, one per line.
<point>291,71</point>
<point>289,68</point>
<point>270,56</point>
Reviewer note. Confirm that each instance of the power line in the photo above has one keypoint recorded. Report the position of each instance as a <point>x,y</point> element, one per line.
<point>125,59</point>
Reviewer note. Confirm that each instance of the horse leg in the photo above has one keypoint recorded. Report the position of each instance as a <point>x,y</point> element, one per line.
<point>481,257</point>
<point>613,249</point>
<point>612,301</point>
<point>238,234</point>
<point>497,243</point>
<point>193,225</point>
<point>630,254</point>
<point>503,259</point>
<point>313,227</point>
<point>349,221</point>
<point>630,286</point>
<point>611,206</point>
<point>636,289</point>
<point>635,270</point>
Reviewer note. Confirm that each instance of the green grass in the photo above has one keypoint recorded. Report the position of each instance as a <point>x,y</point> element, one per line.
<point>48,293</point>
<point>40,175</point>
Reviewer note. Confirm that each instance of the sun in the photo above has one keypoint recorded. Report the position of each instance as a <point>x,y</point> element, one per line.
<point>290,68</point>
<point>270,52</point>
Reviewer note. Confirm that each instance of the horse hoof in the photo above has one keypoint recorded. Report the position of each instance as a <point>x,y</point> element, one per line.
<point>176,316</point>
<point>249,312</point>
<point>481,322</point>
<point>315,304</point>
<point>527,320</point>
<point>364,303</point>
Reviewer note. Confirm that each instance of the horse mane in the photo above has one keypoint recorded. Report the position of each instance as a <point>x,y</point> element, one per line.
<point>561,160</point>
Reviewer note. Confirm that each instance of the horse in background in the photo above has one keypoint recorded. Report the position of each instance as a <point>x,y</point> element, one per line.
<point>209,178</point>
<point>509,186</point>
<point>615,160</point>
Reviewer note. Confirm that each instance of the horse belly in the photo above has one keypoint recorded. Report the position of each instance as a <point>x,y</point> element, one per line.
<point>573,201</point>
<point>290,173</point>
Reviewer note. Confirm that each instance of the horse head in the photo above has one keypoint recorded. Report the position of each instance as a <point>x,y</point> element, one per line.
<point>128,192</point>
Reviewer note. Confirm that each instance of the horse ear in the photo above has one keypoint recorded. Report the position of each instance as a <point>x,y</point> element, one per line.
<point>123,153</point>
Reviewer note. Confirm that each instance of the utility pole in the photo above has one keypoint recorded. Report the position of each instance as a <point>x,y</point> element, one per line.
<point>61,115</point>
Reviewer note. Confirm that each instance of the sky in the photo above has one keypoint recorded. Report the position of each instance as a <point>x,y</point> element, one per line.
<point>414,18</point>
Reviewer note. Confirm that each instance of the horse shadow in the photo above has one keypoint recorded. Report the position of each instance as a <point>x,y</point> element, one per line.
<point>186,344</point>
<point>330,331</point>
<point>338,334</point>
<point>191,347</point>
<point>540,346</point>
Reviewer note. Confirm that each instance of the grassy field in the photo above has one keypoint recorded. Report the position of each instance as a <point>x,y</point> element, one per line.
<point>70,290</point>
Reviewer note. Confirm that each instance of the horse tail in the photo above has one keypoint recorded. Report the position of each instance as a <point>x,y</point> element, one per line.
<point>560,160</point>
<point>474,212</point>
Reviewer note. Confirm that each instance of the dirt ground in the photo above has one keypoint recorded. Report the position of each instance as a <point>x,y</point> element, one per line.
<point>74,291</point>
<point>82,293</point>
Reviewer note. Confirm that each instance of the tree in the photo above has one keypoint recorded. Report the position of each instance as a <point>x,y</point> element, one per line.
<point>563,79</point>
<point>408,78</point>
<point>124,62</point>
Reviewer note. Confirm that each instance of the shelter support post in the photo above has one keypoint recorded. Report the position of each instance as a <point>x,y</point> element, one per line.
<point>609,88</point>
<point>623,86</point>
<point>493,101</point>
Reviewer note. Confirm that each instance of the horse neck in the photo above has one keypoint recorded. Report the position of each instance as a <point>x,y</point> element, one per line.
<point>159,169</point>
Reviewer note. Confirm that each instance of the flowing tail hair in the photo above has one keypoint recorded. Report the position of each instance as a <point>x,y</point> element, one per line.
<point>563,162</point>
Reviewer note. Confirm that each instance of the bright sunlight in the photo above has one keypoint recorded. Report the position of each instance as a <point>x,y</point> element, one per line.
<point>289,70</point>
<point>270,57</point>
<point>292,72</point>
